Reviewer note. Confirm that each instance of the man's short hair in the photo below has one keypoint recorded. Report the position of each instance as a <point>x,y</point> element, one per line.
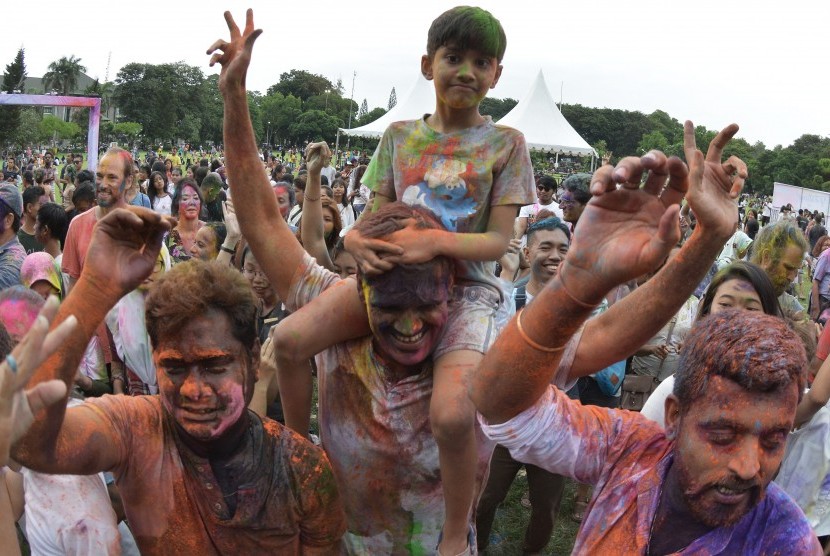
<point>31,195</point>
<point>85,175</point>
<point>773,239</point>
<point>757,351</point>
<point>465,27</point>
<point>548,182</point>
<point>126,160</point>
<point>194,287</point>
<point>389,219</point>
<point>580,186</point>
<point>53,216</point>
<point>28,176</point>
<point>551,223</point>
<point>200,174</point>
<point>84,192</point>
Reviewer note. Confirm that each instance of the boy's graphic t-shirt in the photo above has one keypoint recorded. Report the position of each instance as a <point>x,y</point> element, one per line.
<point>458,176</point>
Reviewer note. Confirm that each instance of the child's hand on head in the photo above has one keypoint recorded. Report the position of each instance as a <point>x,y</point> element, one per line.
<point>417,245</point>
<point>374,256</point>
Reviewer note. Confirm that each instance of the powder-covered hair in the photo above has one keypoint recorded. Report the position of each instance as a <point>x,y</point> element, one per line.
<point>465,27</point>
<point>550,223</point>
<point>580,186</point>
<point>389,219</point>
<point>774,239</point>
<point>126,160</point>
<point>194,287</point>
<point>759,352</point>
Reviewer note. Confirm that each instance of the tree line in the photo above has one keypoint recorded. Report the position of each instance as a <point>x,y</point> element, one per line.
<point>171,102</point>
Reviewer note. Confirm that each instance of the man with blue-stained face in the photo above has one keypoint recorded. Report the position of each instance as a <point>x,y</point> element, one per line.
<point>113,176</point>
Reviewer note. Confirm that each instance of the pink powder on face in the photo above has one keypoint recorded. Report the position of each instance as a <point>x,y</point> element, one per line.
<point>17,316</point>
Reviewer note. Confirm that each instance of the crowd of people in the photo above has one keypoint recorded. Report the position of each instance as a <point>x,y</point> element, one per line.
<point>462,318</point>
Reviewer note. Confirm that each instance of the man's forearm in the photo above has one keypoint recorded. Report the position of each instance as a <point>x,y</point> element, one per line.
<point>513,373</point>
<point>634,320</point>
<point>89,301</point>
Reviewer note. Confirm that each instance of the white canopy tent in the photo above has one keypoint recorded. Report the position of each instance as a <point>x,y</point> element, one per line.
<point>544,126</point>
<point>419,101</point>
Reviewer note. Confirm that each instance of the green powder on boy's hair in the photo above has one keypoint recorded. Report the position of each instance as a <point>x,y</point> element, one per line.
<point>466,27</point>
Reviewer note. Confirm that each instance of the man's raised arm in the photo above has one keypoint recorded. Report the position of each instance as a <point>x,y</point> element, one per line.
<point>622,233</point>
<point>122,254</point>
<point>271,240</point>
<point>713,190</point>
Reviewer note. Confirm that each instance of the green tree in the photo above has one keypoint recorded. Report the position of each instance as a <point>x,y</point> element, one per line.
<point>653,141</point>
<point>53,128</point>
<point>496,108</point>
<point>301,84</point>
<point>281,111</point>
<point>370,116</point>
<point>163,98</point>
<point>14,80</point>
<point>127,132</point>
<point>63,74</point>
<point>314,125</point>
<point>393,100</point>
<point>364,109</point>
<point>104,91</point>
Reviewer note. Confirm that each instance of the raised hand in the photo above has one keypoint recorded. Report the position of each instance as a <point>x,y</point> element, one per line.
<point>317,155</point>
<point>234,56</point>
<point>626,232</point>
<point>371,254</point>
<point>125,247</point>
<point>17,407</point>
<point>714,186</point>
<point>231,223</point>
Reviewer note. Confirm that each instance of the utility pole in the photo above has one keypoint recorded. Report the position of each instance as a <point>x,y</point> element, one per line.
<point>351,101</point>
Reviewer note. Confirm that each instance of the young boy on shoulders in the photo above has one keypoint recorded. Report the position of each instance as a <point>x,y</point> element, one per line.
<point>473,175</point>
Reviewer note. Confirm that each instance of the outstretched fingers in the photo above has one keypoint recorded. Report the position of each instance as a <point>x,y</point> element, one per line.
<point>736,168</point>
<point>629,172</point>
<point>678,182</point>
<point>656,164</point>
<point>715,152</point>
<point>603,181</point>
<point>694,158</point>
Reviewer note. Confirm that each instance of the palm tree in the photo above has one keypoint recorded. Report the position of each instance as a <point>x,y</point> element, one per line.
<point>104,91</point>
<point>62,76</point>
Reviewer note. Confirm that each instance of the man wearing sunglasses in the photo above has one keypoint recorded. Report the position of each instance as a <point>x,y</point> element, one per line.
<point>545,187</point>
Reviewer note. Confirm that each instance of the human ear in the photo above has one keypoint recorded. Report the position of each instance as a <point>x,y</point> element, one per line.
<point>498,75</point>
<point>426,67</point>
<point>671,417</point>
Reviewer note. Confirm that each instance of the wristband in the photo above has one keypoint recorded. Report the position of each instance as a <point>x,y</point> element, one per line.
<point>530,342</point>
<point>228,249</point>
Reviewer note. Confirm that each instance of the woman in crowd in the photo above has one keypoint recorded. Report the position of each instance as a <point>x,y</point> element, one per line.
<point>168,170</point>
<point>270,311</point>
<point>347,216</point>
<point>160,199</point>
<point>359,194</point>
<point>187,205</point>
<point>133,195</point>
<point>209,240</point>
<point>740,285</point>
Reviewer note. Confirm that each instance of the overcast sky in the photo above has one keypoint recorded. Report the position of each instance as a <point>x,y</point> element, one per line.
<point>759,63</point>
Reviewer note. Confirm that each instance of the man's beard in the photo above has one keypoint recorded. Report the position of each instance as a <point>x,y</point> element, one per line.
<point>709,512</point>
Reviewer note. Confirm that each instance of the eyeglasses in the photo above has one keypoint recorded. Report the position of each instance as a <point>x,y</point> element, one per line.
<point>543,188</point>
<point>253,273</point>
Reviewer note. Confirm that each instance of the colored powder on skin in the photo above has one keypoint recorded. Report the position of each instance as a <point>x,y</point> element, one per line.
<point>18,316</point>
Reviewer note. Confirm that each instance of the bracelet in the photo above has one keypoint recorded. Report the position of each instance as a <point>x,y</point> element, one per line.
<point>312,199</point>
<point>569,294</point>
<point>530,342</point>
<point>227,249</point>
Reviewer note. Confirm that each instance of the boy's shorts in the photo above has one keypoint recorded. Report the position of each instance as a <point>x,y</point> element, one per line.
<point>471,322</point>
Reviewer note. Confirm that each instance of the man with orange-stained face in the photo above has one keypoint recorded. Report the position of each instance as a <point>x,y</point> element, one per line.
<point>224,481</point>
